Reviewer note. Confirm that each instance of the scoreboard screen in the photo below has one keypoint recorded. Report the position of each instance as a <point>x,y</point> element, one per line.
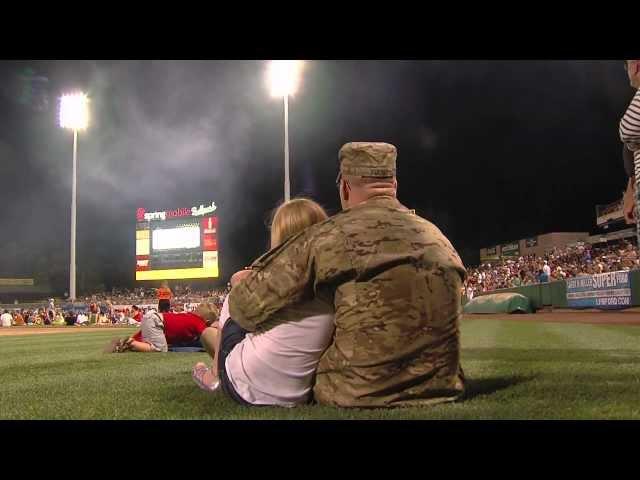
<point>177,244</point>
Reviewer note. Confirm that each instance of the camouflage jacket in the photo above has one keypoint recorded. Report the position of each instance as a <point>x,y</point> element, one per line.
<point>395,282</point>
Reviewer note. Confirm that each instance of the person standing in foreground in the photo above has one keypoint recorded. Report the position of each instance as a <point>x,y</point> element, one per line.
<point>394,280</point>
<point>630,136</point>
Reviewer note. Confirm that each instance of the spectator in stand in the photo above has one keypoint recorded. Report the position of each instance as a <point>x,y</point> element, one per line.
<point>469,291</point>
<point>568,262</point>
<point>542,276</point>
<point>519,280</point>
<point>6,320</point>
<point>547,270</point>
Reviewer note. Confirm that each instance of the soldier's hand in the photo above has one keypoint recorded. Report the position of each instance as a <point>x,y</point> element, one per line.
<point>239,276</point>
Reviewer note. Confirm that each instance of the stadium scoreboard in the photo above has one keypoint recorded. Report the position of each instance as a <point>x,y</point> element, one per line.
<point>177,244</point>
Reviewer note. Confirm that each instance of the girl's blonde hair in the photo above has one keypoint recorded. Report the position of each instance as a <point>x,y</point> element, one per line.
<point>294,216</point>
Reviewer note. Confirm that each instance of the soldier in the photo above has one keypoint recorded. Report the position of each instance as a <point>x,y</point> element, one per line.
<point>394,280</point>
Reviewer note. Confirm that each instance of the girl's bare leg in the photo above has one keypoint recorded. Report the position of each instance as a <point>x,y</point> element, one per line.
<point>210,339</point>
<point>141,347</point>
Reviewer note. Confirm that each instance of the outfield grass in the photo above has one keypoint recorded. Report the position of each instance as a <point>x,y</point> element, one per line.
<point>515,370</point>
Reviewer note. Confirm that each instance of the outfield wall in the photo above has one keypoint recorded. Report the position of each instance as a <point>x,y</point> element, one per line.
<point>554,294</point>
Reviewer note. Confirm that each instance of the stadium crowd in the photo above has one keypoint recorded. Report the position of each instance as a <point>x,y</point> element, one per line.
<point>142,295</point>
<point>558,264</point>
<point>118,307</point>
<point>59,316</point>
<point>108,308</point>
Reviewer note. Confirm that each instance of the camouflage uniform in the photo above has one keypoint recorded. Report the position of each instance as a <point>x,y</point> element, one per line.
<point>395,282</point>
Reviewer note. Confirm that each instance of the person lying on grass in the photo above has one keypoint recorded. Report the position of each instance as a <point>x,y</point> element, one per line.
<point>135,317</point>
<point>158,331</point>
<point>275,365</point>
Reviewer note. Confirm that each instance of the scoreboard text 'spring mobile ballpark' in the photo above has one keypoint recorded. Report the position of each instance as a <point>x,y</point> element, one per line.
<point>177,244</point>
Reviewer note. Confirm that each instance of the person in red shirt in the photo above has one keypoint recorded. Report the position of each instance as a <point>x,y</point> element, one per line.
<point>137,313</point>
<point>160,330</point>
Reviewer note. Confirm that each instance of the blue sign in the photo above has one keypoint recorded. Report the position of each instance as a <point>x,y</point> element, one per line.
<point>605,291</point>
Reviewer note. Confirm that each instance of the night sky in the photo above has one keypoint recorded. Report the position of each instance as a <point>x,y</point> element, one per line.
<point>489,151</point>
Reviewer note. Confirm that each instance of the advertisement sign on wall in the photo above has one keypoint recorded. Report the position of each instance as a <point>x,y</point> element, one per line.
<point>489,254</point>
<point>605,291</point>
<point>511,249</point>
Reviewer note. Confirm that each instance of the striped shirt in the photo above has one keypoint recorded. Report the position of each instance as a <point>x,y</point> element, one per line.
<point>630,127</point>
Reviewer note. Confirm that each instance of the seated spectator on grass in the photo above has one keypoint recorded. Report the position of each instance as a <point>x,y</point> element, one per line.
<point>120,318</point>
<point>395,281</point>
<point>18,319</point>
<point>49,316</point>
<point>136,316</point>
<point>70,318</point>
<point>38,317</point>
<point>102,319</point>
<point>159,331</point>
<point>6,319</point>
<point>58,319</point>
<point>275,365</point>
<point>82,319</point>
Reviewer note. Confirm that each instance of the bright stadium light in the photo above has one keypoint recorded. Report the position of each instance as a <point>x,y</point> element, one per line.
<point>74,115</point>
<point>74,111</point>
<point>284,78</point>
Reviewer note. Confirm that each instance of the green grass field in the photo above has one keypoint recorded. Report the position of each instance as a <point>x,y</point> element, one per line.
<point>515,370</point>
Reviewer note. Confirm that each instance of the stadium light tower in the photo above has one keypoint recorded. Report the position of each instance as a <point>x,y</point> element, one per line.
<point>74,115</point>
<point>284,78</point>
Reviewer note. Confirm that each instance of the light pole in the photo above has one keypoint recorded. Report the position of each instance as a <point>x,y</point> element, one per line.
<point>284,77</point>
<point>74,114</point>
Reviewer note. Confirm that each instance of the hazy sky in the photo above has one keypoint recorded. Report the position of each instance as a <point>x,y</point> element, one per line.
<point>490,151</point>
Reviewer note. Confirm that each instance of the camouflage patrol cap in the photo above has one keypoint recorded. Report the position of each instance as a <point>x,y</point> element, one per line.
<point>368,159</point>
